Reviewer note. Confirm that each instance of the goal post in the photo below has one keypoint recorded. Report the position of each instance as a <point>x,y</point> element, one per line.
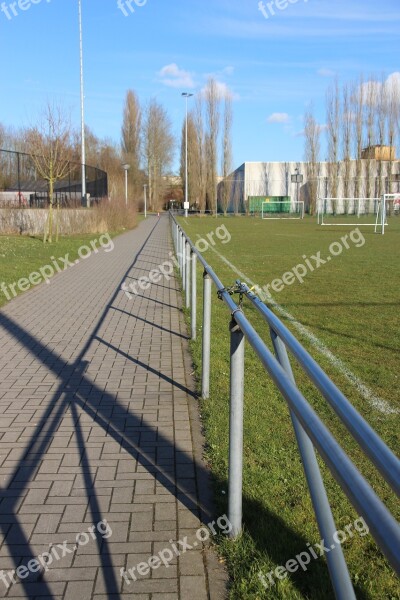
<point>287,209</point>
<point>357,212</point>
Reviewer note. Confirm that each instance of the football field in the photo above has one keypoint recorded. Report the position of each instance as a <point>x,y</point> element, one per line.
<point>338,290</point>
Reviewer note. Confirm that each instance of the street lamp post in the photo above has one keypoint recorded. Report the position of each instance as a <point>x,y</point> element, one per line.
<point>126,168</point>
<point>145,200</point>
<point>297,179</point>
<point>186,95</point>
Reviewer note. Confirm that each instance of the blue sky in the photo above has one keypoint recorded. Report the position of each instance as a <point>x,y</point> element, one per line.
<point>275,66</point>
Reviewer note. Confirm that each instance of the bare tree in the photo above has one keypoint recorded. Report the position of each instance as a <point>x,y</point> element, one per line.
<point>2,136</point>
<point>131,136</point>
<point>333,134</point>
<point>227,153</point>
<point>158,147</point>
<point>312,133</point>
<point>380,125</point>
<point>212,100</point>
<point>285,173</point>
<point>369,135</point>
<point>346,126</point>
<point>357,107</point>
<point>267,178</point>
<point>199,168</point>
<point>392,107</point>
<point>50,148</point>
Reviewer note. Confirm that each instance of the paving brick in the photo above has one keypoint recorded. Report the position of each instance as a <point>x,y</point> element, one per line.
<point>95,424</point>
<point>193,587</point>
<point>36,497</point>
<point>47,523</point>
<point>79,589</point>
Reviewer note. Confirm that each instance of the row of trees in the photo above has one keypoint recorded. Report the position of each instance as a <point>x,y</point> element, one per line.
<point>209,147</point>
<point>359,114</point>
<point>148,145</point>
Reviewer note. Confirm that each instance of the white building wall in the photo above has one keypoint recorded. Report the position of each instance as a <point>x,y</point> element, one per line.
<point>274,179</point>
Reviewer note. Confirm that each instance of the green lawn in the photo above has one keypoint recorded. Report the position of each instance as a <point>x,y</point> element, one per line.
<point>20,256</point>
<point>351,304</point>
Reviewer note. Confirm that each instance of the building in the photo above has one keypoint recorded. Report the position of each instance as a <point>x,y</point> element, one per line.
<point>379,152</point>
<point>324,180</point>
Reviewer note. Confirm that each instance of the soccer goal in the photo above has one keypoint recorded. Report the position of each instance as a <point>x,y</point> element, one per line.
<point>290,209</point>
<point>355,212</point>
<point>392,205</point>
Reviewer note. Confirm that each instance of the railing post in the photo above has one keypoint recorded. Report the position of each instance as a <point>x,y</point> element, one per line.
<point>206,348</point>
<point>236,429</point>
<point>175,233</point>
<point>194,296</point>
<point>178,249</point>
<point>180,252</point>
<point>336,562</point>
<point>183,262</point>
<point>188,264</point>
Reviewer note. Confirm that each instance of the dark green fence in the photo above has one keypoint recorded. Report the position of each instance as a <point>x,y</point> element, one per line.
<point>21,185</point>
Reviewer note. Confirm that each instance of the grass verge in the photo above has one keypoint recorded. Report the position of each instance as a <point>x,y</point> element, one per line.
<point>351,304</point>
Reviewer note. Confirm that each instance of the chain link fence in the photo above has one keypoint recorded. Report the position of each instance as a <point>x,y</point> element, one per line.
<point>22,187</point>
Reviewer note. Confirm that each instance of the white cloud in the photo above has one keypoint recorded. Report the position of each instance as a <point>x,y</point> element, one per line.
<point>172,76</point>
<point>373,91</point>
<point>326,72</point>
<point>392,83</point>
<point>320,129</point>
<point>278,118</point>
<point>223,90</point>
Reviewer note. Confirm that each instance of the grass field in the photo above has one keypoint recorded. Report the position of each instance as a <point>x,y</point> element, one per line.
<point>351,304</point>
<point>22,255</point>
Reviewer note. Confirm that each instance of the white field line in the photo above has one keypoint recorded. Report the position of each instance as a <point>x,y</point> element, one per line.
<point>382,405</point>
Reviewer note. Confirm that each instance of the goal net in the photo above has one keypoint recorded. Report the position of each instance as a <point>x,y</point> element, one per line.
<point>287,209</point>
<point>356,212</point>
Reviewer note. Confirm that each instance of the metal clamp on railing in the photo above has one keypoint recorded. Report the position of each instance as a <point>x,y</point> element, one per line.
<point>311,433</point>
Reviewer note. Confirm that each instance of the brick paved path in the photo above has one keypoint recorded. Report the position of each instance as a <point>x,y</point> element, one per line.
<point>98,423</point>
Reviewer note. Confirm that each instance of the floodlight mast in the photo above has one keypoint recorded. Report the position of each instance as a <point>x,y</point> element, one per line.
<point>83,152</point>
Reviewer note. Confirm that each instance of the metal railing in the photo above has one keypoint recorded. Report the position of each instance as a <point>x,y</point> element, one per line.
<point>311,433</point>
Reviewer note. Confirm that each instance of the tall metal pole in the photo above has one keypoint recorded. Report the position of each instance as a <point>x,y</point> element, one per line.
<point>126,168</point>
<point>186,96</point>
<point>145,200</point>
<point>83,151</point>
<point>126,187</point>
<point>186,160</point>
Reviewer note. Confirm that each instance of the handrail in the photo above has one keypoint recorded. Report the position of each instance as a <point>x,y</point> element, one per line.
<point>308,426</point>
<point>383,458</point>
